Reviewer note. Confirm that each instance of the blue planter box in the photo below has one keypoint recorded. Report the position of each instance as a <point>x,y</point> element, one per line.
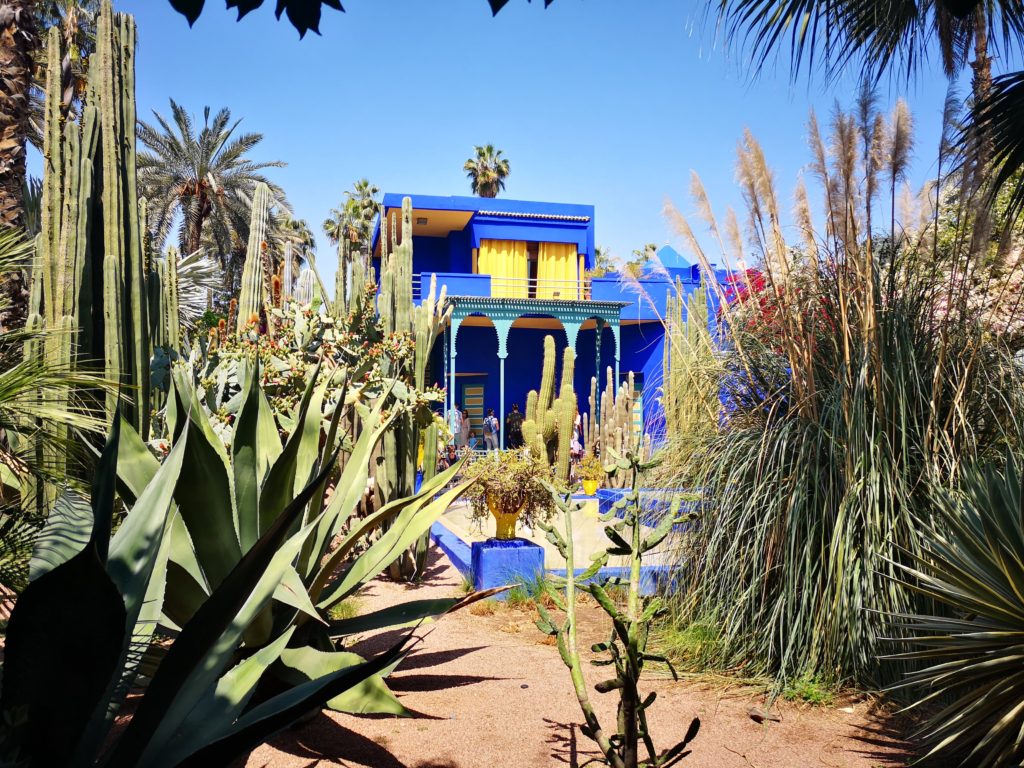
<point>497,562</point>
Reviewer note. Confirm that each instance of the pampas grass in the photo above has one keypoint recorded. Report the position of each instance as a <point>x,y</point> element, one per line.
<point>858,383</point>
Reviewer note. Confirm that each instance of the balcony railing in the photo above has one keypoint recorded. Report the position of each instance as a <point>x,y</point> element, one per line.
<point>645,299</point>
<point>461,284</point>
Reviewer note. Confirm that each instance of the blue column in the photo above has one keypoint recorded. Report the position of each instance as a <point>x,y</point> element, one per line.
<point>446,356</point>
<point>501,401</point>
<point>455,333</point>
<point>598,332</point>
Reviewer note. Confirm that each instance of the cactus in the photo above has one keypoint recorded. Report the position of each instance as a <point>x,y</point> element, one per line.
<point>424,323</point>
<point>616,431</point>
<point>287,274</point>
<point>250,299</point>
<point>632,617</point>
<point>547,429</point>
<point>90,276</point>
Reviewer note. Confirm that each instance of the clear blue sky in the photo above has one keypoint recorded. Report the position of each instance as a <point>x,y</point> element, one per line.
<point>593,101</point>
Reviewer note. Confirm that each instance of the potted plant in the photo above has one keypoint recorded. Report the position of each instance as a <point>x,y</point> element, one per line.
<point>591,473</point>
<point>509,486</point>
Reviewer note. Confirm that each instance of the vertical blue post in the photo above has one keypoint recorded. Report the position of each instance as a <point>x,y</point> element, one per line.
<point>447,361</point>
<point>451,412</point>
<point>501,401</point>
<point>599,331</point>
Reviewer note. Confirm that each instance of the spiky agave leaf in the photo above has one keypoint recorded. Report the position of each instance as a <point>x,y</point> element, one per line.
<point>972,564</point>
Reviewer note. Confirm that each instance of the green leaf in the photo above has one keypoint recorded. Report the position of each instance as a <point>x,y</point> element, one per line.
<point>214,715</point>
<point>186,585</point>
<point>411,523</point>
<point>292,592</point>
<point>368,697</point>
<point>66,533</point>
<point>205,643</point>
<point>392,617</point>
<point>203,494</point>
<point>245,446</point>
<point>279,487</point>
<point>134,547</point>
<point>276,713</point>
<point>39,662</point>
<point>136,465</point>
<point>347,492</point>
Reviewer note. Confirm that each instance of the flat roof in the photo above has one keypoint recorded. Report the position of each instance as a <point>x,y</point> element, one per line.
<point>498,206</point>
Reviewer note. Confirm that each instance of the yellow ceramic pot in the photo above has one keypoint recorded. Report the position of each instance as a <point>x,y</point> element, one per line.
<point>505,527</point>
<point>590,487</point>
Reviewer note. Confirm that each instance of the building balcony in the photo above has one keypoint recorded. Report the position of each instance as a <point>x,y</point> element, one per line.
<point>645,297</point>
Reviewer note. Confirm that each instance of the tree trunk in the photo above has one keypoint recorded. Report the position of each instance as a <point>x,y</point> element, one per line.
<point>982,150</point>
<point>194,239</point>
<point>17,39</point>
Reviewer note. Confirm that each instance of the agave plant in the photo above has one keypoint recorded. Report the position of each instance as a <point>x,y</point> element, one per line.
<point>195,709</point>
<point>232,488</point>
<point>972,563</point>
<point>212,599</point>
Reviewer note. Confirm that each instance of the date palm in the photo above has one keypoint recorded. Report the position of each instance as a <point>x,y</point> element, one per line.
<point>487,171</point>
<point>203,179</point>
<point>353,219</point>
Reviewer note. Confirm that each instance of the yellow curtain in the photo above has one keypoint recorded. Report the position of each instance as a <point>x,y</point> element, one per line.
<point>505,261</point>
<point>557,271</point>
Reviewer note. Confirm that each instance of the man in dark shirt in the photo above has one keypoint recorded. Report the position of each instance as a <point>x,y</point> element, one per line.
<point>514,427</point>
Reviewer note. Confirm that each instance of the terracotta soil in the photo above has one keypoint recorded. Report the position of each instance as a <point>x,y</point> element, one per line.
<point>488,689</point>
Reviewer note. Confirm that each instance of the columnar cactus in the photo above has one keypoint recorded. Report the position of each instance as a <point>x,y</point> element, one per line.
<point>424,323</point>
<point>90,217</point>
<point>250,299</point>
<point>547,430</point>
<point>287,274</point>
<point>616,431</point>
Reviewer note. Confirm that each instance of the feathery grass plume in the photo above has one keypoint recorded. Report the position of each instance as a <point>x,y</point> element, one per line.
<point>899,147</point>
<point>853,393</point>
<point>802,214</point>
<point>735,240</point>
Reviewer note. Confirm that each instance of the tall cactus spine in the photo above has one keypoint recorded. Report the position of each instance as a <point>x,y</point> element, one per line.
<point>172,299</point>
<point>90,215</point>
<point>113,365</point>
<point>250,299</point>
<point>424,323</point>
<point>549,422</point>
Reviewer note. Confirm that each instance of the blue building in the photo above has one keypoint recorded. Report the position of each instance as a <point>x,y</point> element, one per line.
<point>518,270</point>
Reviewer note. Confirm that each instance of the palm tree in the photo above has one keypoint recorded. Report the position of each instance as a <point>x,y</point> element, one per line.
<point>204,178</point>
<point>487,171</point>
<point>353,219</point>
<point>892,36</point>
<point>76,20</point>
<point>18,38</point>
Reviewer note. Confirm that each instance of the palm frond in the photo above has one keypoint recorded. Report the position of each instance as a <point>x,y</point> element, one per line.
<point>1000,119</point>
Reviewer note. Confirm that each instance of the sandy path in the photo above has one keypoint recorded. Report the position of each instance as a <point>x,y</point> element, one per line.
<point>488,691</point>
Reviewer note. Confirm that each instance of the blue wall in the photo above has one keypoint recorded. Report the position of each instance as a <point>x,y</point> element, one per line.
<point>642,351</point>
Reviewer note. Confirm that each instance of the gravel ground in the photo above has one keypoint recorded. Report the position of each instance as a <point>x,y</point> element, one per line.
<point>488,689</point>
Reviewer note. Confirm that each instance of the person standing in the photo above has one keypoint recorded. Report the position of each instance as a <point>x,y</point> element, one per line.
<point>514,427</point>
<point>466,429</point>
<point>491,428</point>
<point>457,435</point>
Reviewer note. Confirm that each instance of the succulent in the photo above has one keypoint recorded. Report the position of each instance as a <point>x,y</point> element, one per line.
<point>547,429</point>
